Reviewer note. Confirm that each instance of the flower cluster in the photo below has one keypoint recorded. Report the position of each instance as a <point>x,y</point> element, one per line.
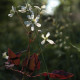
<point>32,20</point>
<point>61,41</point>
<point>12,11</point>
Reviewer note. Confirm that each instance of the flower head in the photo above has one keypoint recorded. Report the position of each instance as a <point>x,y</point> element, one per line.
<point>4,55</point>
<point>25,8</point>
<point>41,8</point>
<point>33,21</point>
<point>12,11</point>
<point>46,39</point>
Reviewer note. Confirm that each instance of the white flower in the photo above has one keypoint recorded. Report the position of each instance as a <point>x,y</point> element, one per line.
<point>5,55</point>
<point>29,7</point>
<point>10,15</point>
<point>12,12</point>
<point>32,21</point>
<point>41,8</point>
<point>25,8</point>
<point>46,39</point>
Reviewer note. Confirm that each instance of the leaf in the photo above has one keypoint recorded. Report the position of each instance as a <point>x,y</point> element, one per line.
<point>13,58</point>
<point>31,64</point>
<point>24,63</point>
<point>38,65</point>
<point>60,74</point>
<point>34,62</point>
<point>37,61</point>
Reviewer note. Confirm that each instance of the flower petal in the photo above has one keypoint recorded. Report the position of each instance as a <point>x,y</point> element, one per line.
<point>22,11</point>
<point>10,15</point>
<point>37,18</point>
<point>37,7</point>
<point>50,41</point>
<point>23,7</point>
<point>32,28</point>
<point>28,16</point>
<point>32,15</point>
<point>4,55</point>
<point>30,7</point>
<point>43,42</point>
<point>27,23</point>
<point>43,7</point>
<point>13,9</point>
<point>42,36</point>
<point>38,24</point>
<point>48,34</point>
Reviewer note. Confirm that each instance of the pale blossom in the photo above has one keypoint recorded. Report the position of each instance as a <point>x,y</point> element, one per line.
<point>4,55</point>
<point>12,11</point>
<point>32,21</point>
<point>41,8</point>
<point>25,8</point>
<point>46,39</point>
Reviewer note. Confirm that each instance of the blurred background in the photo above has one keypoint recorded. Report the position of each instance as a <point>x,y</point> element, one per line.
<point>61,18</point>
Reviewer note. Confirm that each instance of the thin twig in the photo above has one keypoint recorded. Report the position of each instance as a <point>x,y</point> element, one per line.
<point>24,73</point>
